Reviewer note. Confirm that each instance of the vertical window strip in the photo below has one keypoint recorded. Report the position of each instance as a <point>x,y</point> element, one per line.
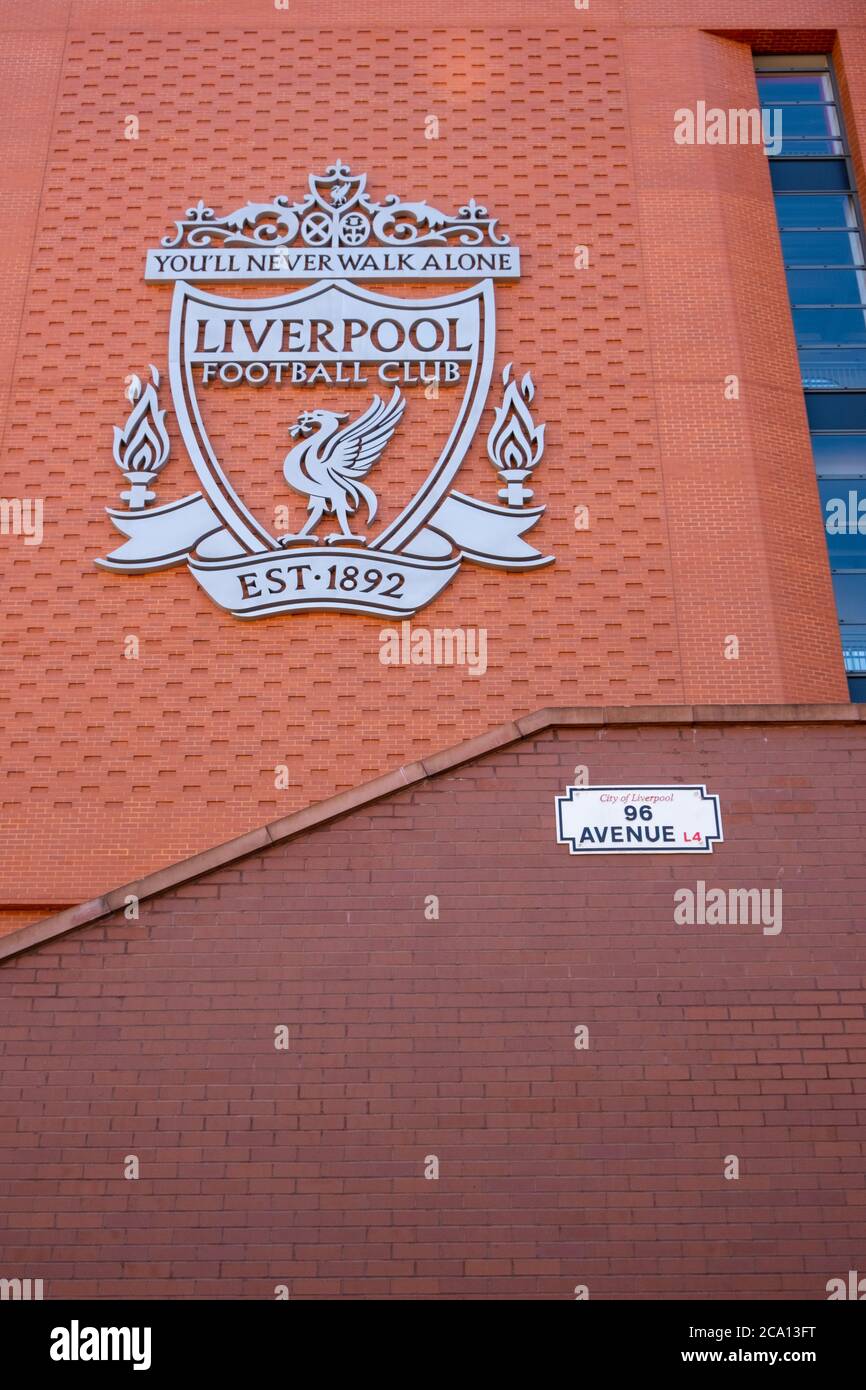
<point>821,232</point>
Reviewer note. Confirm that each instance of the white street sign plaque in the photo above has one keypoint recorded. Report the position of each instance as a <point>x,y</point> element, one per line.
<point>675,819</point>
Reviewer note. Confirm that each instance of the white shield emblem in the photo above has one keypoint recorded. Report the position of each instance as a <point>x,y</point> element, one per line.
<point>332,331</point>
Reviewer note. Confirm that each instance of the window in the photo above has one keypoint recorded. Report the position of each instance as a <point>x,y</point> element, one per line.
<point>821,232</point>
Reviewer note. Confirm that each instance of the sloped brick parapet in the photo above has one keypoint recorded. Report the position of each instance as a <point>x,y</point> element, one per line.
<point>436,764</point>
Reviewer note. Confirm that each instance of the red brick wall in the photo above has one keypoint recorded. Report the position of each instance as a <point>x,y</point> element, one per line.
<point>704,514</point>
<point>455,1037</point>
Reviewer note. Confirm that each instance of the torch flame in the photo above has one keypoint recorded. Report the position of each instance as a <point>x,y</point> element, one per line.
<point>142,446</point>
<point>515,442</point>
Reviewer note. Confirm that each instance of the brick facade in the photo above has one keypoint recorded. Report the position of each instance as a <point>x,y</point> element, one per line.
<point>704,511</point>
<point>454,1037</point>
<point>418,1032</point>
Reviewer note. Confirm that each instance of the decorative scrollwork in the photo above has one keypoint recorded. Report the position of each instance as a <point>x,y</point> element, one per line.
<point>336,212</point>
<point>255,224</point>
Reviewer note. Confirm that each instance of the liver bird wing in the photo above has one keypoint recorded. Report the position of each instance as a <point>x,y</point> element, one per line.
<point>355,448</point>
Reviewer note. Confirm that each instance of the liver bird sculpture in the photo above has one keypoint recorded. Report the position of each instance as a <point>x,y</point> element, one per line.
<point>330,463</point>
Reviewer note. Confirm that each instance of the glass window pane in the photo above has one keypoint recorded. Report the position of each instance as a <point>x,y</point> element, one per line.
<point>822,248</point>
<point>809,120</point>
<point>821,286</point>
<point>850,591</point>
<point>837,411</point>
<point>809,174</point>
<point>833,369</point>
<point>814,210</point>
<point>794,87</point>
<point>843,506</point>
<point>854,651</point>
<point>830,326</point>
<point>839,455</point>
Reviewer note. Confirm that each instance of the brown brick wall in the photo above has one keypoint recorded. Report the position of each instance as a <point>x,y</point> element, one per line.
<point>454,1037</point>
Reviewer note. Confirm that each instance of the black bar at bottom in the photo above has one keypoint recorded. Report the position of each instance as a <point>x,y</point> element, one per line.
<point>77,1339</point>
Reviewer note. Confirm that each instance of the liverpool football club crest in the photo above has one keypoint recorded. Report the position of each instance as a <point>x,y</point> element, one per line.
<point>356,366</point>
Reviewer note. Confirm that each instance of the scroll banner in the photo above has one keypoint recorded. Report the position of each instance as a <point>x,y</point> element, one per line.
<point>160,537</point>
<point>344,578</point>
<point>341,577</point>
